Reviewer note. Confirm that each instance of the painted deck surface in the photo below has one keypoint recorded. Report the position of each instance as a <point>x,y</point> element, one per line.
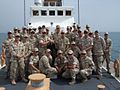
<point>61,84</point>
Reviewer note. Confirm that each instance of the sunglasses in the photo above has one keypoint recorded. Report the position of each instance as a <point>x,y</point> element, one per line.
<point>43,32</point>
<point>69,54</point>
<point>17,36</point>
<point>83,54</point>
<point>59,53</point>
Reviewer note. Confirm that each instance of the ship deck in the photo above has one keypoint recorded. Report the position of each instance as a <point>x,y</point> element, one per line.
<point>108,80</point>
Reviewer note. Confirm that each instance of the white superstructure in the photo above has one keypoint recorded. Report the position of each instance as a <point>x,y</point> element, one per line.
<point>51,13</point>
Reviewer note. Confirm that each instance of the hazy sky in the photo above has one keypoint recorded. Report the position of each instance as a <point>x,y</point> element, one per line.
<point>102,15</point>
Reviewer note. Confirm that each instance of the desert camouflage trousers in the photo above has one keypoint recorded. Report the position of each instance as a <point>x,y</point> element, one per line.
<point>85,72</point>
<point>98,60</point>
<point>70,73</point>
<point>17,65</point>
<point>50,72</point>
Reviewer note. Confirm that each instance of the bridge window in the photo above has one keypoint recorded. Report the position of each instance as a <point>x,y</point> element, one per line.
<point>35,13</point>
<point>68,13</point>
<point>43,13</point>
<point>52,13</point>
<point>60,13</point>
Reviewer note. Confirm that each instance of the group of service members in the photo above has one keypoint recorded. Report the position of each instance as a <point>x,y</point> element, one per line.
<point>72,54</point>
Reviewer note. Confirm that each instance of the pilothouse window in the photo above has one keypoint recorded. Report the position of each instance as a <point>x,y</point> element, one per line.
<point>68,12</point>
<point>43,13</point>
<point>52,13</point>
<point>35,13</point>
<point>60,13</point>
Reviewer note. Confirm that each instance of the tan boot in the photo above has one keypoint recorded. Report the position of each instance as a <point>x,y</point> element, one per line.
<point>24,80</point>
<point>13,82</point>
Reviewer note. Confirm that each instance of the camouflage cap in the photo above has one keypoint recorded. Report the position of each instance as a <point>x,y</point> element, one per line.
<point>36,49</point>
<point>17,34</point>
<point>83,52</point>
<point>106,33</point>
<point>44,30</point>
<point>25,35</point>
<point>70,52</point>
<point>32,31</point>
<point>10,32</point>
<point>59,51</point>
<point>87,26</point>
<point>73,42</point>
<point>48,50</point>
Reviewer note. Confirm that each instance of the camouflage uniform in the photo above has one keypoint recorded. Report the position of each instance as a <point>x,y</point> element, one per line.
<point>108,52</point>
<point>27,49</point>
<point>78,41</point>
<point>63,43</point>
<point>69,36</point>
<point>60,64</point>
<point>27,53</point>
<point>34,60</point>
<point>86,67</point>
<point>86,44</point>
<point>76,51</point>
<point>98,52</point>
<point>56,37</point>
<point>74,35</point>
<point>71,72</point>
<point>7,44</point>
<point>32,42</point>
<point>38,35</point>
<point>16,62</point>
<point>42,47</point>
<point>45,67</point>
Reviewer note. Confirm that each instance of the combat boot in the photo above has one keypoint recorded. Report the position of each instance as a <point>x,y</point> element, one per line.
<point>72,82</point>
<point>24,80</point>
<point>13,82</point>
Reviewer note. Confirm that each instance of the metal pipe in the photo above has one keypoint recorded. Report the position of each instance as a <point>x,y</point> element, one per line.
<point>24,13</point>
<point>78,12</point>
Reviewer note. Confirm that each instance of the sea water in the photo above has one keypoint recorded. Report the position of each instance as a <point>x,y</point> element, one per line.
<point>115,36</point>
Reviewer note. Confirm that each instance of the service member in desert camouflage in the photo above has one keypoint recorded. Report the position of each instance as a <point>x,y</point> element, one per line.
<point>98,52</point>
<point>44,65</point>
<point>86,66</point>
<point>108,50</point>
<point>59,63</point>
<point>17,59</point>
<point>72,67</point>
<point>63,42</point>
<point>34,62</point>
<point>87,43</point>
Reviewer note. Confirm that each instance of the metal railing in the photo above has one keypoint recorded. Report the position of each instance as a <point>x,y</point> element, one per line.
<point>115,54</point>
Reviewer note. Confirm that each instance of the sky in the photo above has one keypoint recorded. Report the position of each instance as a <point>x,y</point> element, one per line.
<point>102,15</point>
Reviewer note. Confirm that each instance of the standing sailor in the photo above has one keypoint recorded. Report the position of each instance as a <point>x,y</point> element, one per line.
<point>56,36</point>
<point>108,50</point>
<point>87,43</point>
<point>63,42</point>
<point>98,52</point>
<point>32,39</point>
<point>17,59</point>
<point>6,46</point>
<point>44,40</point>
